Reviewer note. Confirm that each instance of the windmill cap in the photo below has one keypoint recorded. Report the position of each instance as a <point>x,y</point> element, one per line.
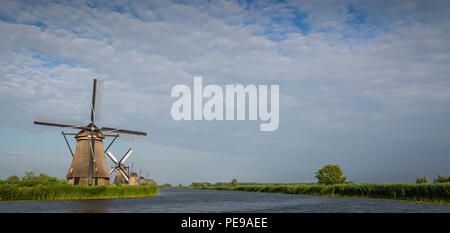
<point>85,135</point>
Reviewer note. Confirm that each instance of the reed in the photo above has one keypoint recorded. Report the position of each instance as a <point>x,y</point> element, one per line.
<point>435,193</point>
<point>43,187</point>
<point>9,192</point>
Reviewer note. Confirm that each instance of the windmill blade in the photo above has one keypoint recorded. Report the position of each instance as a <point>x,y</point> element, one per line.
<point>112,170</point>
<point>124,175</point>
<point>64,133</point>
<point>111,142</point>
<point>124,131</point>
<point>40,119</point>
<point>112,157</point>
<point>131,138</point>
<point>126,156</point>
<point>97,94</point>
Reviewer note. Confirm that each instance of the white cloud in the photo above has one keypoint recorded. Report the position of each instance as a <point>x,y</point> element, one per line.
<point>338,77</point>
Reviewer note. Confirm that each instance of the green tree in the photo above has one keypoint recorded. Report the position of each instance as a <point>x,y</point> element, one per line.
<point>13,179</point>
<point>419,180</point>
<point>422,180</point>
<point>330,174</point>
<point>441,179</point>
<point>29,175</point>
<point>234,182</point>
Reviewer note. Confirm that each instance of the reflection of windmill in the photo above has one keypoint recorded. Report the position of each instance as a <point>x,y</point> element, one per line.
<point>120,168</point>
<point>89,158</point>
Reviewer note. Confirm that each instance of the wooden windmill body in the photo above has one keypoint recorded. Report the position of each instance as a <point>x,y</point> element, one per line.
<point>134,179</point>
<point>119,179</point>
<point>89,165</point>
<point>80,167</point>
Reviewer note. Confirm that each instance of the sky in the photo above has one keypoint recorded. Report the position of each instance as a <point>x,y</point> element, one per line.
<point>363,84</point>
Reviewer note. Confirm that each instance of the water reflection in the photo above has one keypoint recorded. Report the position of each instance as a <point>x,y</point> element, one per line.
<point>90,206</point>
<point>176,200</point>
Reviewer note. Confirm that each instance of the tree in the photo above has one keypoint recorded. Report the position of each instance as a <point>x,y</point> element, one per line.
<point>13,179</point>
<point>441,179</point>
<point>422,180</point>
<point>330,174</point>
<point>419,180</point>
<point>29,175</point>
<point>234,182</point>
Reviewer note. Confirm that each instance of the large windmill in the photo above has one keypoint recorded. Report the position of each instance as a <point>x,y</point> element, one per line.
<point>89,162</point>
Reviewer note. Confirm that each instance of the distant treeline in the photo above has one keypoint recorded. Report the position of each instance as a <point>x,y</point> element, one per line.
<point>438,179</point>
<point>43,187</point>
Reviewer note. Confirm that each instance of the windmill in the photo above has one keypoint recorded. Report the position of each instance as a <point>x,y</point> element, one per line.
<point>88,160</point>
<point>120,168</point>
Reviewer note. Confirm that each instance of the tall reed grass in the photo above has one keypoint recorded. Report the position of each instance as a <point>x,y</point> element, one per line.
<point>10,192</point>
<point>436,193</point>
<point>43,187</point>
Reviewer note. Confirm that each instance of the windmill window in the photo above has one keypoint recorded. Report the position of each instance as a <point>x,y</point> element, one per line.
<point>76,181</point>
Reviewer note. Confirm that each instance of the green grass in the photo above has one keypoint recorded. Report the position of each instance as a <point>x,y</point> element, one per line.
<point>434,193</point>
<point>10,192</point>
<point>43,187</point>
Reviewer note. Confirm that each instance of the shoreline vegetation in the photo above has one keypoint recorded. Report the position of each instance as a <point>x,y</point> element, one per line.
<point>45,188</point>
<point>331,182</point>
<point>436,193</point>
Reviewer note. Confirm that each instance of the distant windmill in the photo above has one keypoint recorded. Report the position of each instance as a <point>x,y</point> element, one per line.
<point>89,160</point>
<point>121,170</point>
<point>131,170</point>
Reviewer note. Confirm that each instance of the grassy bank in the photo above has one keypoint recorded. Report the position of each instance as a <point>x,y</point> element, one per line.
<point>433,193</point>
<point>69,192</point>
<point>42,187</point>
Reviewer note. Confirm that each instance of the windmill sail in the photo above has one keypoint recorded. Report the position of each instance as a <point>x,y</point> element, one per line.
<point>41,119</point>
<point>126,135</point>
<point>96,107</point>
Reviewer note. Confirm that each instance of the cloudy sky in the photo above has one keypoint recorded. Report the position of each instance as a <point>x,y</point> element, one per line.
<point>363,84</point>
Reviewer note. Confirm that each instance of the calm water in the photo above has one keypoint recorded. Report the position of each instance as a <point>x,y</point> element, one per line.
<point>195,201</point>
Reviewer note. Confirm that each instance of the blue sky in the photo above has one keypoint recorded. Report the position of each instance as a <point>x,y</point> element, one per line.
<point>363,84</point>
